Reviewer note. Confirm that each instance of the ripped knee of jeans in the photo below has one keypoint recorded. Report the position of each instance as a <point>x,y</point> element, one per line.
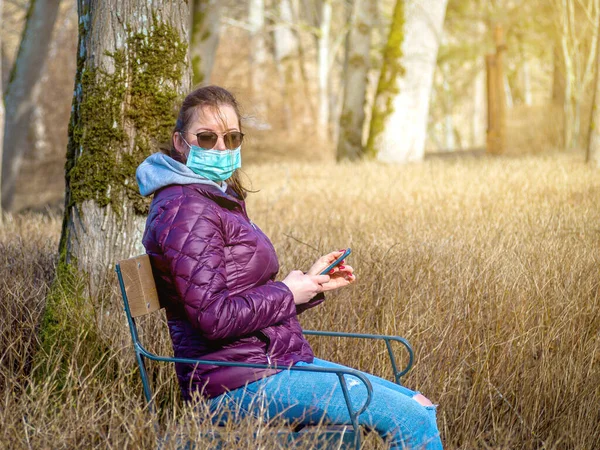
<point>421,399</point>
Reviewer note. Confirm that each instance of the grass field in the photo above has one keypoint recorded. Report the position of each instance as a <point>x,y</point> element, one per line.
<point>489,266</point>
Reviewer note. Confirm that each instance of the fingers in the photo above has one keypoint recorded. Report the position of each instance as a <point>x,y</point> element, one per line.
<point>320,279</point>
<point>342,269</point>
<point>331,257</point>
<point>304,287</point>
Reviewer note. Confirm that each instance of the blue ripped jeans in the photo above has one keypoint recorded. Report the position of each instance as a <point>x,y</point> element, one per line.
<point>313,396</point>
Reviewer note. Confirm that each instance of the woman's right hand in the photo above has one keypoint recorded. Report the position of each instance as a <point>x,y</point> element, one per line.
<point>304,287</point>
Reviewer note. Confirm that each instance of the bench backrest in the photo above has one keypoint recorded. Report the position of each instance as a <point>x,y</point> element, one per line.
<point>138,282</point>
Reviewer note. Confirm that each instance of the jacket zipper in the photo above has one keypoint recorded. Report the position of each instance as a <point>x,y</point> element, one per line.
<point>243,205</point>
<point>267,343</point>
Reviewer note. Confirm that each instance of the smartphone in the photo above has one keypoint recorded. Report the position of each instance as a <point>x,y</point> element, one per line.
<point>336,262</point>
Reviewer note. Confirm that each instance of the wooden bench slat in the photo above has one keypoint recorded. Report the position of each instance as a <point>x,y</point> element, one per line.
<point>139,285</point>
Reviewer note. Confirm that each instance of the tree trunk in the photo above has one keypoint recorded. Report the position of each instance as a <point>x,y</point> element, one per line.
<point>507,92</point>
<point>206,17</point>
<point>527,96</point>
<point>449,141</point>
<point>285,41</point>
<point>593,147</point>
<point>401,107</point>
<point>23,91</point>
<point>353,111</point>
<point>558,77</point>
<point>1,107</point>
<point>323,68</point>
<point>127,85</point>
<point>578,59</point>
<point>39,134</point>
<point>284,47</point>
<point>258,62</point>
<point>479,111</point>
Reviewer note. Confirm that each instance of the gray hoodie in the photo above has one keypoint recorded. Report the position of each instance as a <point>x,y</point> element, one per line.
<point>160,170</point>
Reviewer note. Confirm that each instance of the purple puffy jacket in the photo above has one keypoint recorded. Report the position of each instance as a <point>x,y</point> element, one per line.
<point>215,272</point>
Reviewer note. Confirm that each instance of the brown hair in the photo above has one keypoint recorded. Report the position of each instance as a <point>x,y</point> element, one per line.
<point>212,97</point>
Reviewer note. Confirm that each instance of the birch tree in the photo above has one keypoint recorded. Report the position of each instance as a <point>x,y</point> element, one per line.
<point>401,107</point>
<point>358,64</point>
<point>593,147</point>
<point>285,46</point>
<point>285,42</point>
<point>323,67</point>
<point>258,61</point>
<point>23,91</point>
<point>206,19</point>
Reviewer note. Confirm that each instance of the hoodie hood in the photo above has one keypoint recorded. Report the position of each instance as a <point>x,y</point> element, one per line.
<point>160,170</point>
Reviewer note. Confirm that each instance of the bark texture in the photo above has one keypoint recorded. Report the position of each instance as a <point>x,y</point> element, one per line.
<point>402,136</point>
<point>206,19</point>
<point>353,114</point>
<point>23,91</point>
<point>132,72</point>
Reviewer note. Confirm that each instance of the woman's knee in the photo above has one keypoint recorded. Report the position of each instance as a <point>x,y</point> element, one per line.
<point>421,399</point>
<point>418,428</point>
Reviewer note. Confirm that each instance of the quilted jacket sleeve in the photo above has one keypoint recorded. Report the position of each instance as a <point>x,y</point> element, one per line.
<point>193,247</point>
<point>316,300</point>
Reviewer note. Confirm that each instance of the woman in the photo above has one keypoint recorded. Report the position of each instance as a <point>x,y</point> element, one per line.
<point>215,271</point>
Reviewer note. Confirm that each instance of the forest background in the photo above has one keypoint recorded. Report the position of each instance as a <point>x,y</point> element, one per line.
<point>487,263</point>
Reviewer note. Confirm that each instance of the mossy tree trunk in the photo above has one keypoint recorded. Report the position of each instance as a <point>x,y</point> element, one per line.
<point>355,83</point>
<point>206,18</point>
<point>401,106</point>
<point>23,91</point>
<point>132,70</point>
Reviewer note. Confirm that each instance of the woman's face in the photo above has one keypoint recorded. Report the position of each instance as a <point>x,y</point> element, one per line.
<point>220,121</point>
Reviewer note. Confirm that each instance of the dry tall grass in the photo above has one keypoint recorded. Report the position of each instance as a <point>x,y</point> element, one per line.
<point>488,266</point>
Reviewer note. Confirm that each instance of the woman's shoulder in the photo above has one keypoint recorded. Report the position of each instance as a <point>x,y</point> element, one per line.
<point>183,199</point>
<point>185,193</point>
<point>184,208</point>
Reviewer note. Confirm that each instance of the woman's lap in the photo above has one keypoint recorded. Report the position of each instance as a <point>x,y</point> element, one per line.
<point>301,397</point>
<point>372,378</point>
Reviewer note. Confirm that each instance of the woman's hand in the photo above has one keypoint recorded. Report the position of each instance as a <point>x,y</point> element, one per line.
<point>339,276</point>
<point>304,287</point>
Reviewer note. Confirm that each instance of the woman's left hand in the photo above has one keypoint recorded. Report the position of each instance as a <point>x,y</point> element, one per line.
<point>340,276</point>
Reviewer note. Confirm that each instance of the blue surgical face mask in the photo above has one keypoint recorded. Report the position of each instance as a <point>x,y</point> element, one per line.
<point>215,165</point>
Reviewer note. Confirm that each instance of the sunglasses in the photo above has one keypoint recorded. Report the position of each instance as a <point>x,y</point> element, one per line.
<point>208,139</point>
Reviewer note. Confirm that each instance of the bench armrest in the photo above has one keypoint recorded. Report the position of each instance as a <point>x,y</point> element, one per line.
<point>397,374</point>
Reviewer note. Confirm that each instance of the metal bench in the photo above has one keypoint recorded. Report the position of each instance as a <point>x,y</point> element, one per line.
<point>140,297</point>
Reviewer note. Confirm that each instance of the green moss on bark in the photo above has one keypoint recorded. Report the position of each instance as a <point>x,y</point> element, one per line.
<point>196,70</point>
<point>123,115</point>
<point>387,87</point>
